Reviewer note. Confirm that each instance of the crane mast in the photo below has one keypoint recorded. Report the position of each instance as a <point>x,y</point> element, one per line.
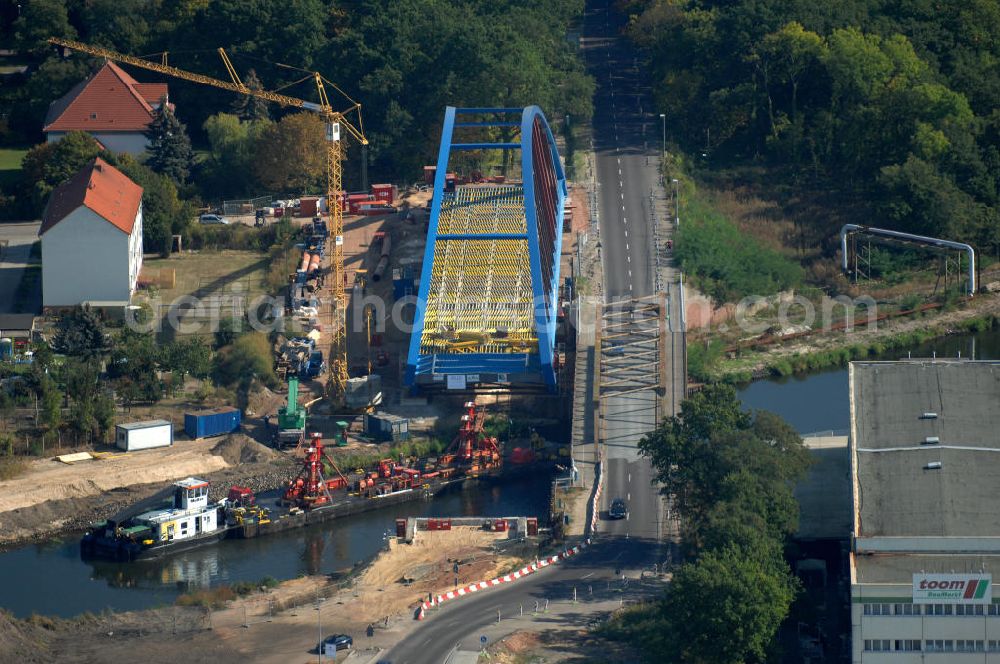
<point>335,122</point>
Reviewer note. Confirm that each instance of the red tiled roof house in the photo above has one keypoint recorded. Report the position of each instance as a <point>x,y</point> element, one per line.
<point>111,106</point>
<point>92,238</point>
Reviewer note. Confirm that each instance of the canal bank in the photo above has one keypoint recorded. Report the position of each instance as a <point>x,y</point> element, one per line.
<point>61,584</point>
<point>818,351</point>
<point>818,401</point>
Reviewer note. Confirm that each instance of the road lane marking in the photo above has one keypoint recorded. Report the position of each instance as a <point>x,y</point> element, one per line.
<point>630,478</point>
<point>627,247</point>
<point>628,496</point>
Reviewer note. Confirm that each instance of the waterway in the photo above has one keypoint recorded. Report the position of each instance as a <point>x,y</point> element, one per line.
<point>818,402</point>
<point>51,578</point>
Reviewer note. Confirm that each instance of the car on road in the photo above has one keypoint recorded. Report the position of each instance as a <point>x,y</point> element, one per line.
<point>332,644</point>
<point>212,219</point>
<point>618,509</point>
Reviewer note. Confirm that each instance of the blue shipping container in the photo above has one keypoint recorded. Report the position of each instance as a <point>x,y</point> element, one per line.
<point>205,423</point>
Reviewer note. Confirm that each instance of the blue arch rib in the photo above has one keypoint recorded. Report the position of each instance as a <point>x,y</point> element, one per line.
<point>545,295</point>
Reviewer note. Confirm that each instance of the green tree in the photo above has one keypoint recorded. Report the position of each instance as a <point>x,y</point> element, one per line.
<point>39,20</point>
<point>50,405</point>
<point>188,357</point>
<point>725,608</point>
<point>291,155</point>
<point>228,330</point>
<point>48,165</point>
<point>79,333</point>
<point>169,145</point>
<point>249,357</point>
<point>121,25</point>
<point>229,167</point>
<point>248,107</point>
<point>163,211</point>
<point>712,437</point>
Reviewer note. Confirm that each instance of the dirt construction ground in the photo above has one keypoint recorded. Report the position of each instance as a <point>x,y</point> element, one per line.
<point>282,624</point>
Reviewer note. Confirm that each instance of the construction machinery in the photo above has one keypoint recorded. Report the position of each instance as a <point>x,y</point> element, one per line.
<point>311,488</point>
<point>336,123</point>
<point>472,448</point>
<point>291,417</point>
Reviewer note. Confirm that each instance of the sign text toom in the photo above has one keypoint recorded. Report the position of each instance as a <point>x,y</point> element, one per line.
<point>952,588</point>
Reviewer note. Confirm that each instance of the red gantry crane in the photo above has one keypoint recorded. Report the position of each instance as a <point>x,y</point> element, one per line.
<point>471,445</point>
<point>311,488</point>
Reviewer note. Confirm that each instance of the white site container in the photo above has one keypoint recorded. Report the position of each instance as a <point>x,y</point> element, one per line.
<point>144,435</point>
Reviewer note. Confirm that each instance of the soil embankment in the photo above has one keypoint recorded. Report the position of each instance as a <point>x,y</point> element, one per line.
<point>279,625</point>
<point>53,497</point>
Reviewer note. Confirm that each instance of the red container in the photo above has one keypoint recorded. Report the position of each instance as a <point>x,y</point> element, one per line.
<point>354,201</point>
<point>385,193</point>
<point>401,528</point>
<point>532,526</point>
<point>500,525</point>
<point>308,207</point>
<point>279,212</point>
<point>429,173</point>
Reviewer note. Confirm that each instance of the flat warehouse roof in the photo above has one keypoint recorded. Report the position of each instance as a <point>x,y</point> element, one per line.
<point>899,568</point>
<point>925,444</point>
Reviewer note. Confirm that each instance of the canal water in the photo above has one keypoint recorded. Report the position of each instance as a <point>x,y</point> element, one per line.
<point>818,402</point>
<point>51,579</point>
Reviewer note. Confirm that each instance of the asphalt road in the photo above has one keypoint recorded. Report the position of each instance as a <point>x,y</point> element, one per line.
<point>626,144</point>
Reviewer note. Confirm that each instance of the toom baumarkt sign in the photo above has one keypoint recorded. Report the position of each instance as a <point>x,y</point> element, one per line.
<point>952,588</point>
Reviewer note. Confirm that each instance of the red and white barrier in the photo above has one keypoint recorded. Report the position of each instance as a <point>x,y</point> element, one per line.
<point>506,578</point>
<point>596,507</point>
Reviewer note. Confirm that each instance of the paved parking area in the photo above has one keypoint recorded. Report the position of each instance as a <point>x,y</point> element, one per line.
<point>18,238</point>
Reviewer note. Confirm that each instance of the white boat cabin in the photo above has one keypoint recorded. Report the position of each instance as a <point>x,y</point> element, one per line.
<point>190,516</point>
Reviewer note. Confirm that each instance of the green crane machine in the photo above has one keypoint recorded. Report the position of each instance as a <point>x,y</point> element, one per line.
<point>291,418</point>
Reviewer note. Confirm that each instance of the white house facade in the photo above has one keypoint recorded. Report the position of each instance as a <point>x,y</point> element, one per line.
<point>92,239</point>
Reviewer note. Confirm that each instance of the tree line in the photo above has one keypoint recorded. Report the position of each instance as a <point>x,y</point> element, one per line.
<point>890,102</point>
<point>729,475</point>
<point>404,61</point>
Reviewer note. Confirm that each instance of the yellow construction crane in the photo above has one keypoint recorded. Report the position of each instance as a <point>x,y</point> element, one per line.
<point>336,122</point>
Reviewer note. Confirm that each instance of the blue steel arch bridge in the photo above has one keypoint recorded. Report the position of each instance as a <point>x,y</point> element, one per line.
<point>488,302</point>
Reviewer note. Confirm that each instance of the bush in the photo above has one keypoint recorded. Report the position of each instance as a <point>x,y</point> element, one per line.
<point>726,263</point>
<point>11,467</point>
<point>702,358</point>
<point>213,598</point>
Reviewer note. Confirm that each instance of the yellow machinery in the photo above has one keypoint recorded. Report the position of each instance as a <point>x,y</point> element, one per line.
<point>336,121</point>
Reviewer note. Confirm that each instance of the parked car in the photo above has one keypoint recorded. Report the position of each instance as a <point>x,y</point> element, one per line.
<point>618,509</point>
<point>332,644</point>
<point>212,219</point>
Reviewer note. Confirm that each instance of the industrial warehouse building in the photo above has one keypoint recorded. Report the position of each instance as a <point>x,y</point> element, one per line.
<point>111,106</point>
<point>925,472</point>
<point>92,239</point>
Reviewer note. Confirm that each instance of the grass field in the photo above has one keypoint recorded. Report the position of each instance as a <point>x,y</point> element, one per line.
<point>221,281</point>
<point>10,158</point>
<point>10,165</point>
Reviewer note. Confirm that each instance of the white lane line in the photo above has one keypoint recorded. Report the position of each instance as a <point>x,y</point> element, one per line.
<point>630,276</point>
<point>626,232</point>
<point>619,173</point>
<point>626,246</point>
<point>623,195</point>
<point>628,496</point>
<point>630,478</point>
<point>628,259</point>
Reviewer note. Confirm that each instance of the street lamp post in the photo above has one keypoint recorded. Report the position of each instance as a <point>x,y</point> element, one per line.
<point>319,625</point>
<point>677,204</point>
<point>663,121</point>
